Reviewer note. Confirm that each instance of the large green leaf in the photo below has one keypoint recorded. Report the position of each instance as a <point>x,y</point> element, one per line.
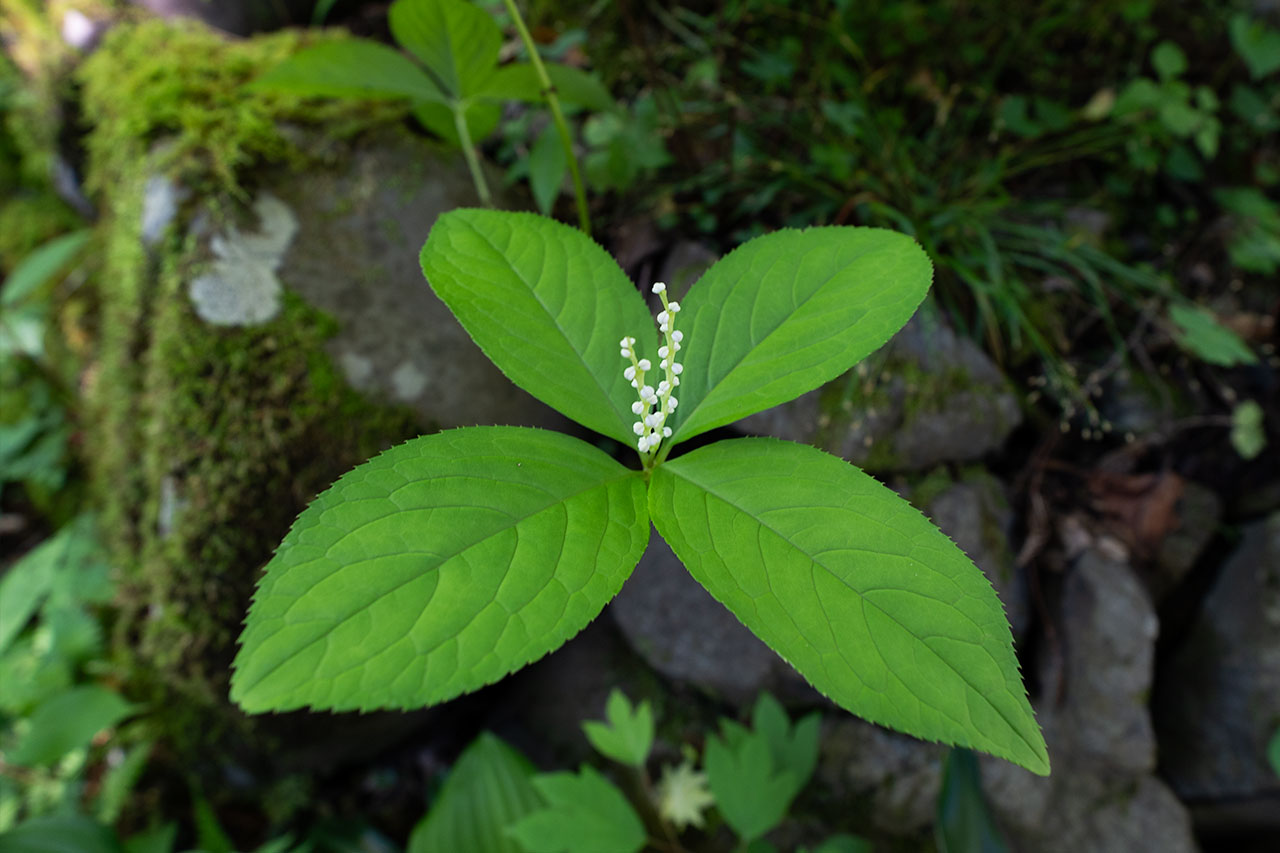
<point>439,567</point>
<point>351,69</point>
<point>59,834</point>
<point>547,305</point>
<point>587,814</point>
<point>852,586</point>
<point>488,789</point>
<point>785,312</point>
<point>456,40</point>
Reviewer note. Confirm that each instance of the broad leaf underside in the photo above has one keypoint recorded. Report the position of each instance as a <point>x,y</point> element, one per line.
<point>852,586</point>
<point>439,567</point>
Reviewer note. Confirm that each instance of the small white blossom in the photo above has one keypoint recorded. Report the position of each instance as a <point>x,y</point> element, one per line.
<point>664,386</point>
<point>659,287</point>
<point>643,444</point>
<point>626,353</point>
<point>677,336</point>
<point>664,317</point>
<point>677,369</point>
<point>630,373</point>
<point>662,352</point>
<point>644,364</point>
<point>673,307</point>
<point>638,428</point>
<point>671,403</point>
<point>637,408</point>
<point>666,432</point>
<point>663,364</point>
<point>654,419</point>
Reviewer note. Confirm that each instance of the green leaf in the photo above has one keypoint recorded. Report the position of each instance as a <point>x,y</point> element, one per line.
<point>752,793</point>
<point>794,749</point>
<point>574,87</point>
<point>1273,752</point>
<point>1168,60</point>
<point>351,69</point>
<point>547,305</point>
<point>26,584</point>
<point>59,834</point>
<point>457,41</point>
<point>964,823</point>
<point>488,789</point>
<point>628,735</point>
<point>1199,333</point>
<point>853,587</point>
<point>1247,434</point>
<point>157,839</point>
<point>547,167</point>
<point>1257,44</point>
<point>68,721</point>
<point>587,814</point>
<point>119,781</point>
<point>845,844</point>
<point>437,568</point>
<point>482,118</point>
<point>785,312</point>
<point>37,268</point>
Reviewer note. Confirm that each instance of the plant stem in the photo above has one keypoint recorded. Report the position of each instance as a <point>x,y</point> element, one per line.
<point>553,103</point>
<point>469,152</point>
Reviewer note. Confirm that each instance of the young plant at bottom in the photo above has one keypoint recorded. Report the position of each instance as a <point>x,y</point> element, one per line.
<point>454,559</point>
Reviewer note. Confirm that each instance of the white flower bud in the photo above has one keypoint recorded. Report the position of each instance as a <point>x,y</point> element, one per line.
<point>671,404</point>
<point>630,373</point>
<point>659,287</point>
<point>663,364</point>
<point>674,307</point>
<point>643,444</point>
<point>644,364</point>
<point>664,317</point>
<point>662,352</point>
<point>677,368</point>
<point>664,386</point>
<point>677,336</point>
<point>676,347</point>
<point>626,353</point>
<point>637,408</point>
<point>638,428</point>
<point>666,432</point>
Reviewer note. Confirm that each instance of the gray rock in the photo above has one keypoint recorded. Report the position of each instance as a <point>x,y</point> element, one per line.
<point>1199,513</point>
<point>929,396</point>
<point>1220,694</point>
<point>688,636</point>
<point>361,227</point>
<point>241,287</point>
<point>975,513</point>
<point>1109,635</point>
<point>685,264</point>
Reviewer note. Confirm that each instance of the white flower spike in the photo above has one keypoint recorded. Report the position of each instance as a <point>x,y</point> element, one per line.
<point>655,406</point>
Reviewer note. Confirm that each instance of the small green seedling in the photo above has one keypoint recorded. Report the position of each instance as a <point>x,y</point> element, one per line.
<point>454,559</point>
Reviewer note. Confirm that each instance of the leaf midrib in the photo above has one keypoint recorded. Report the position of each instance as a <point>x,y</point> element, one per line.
<point>865,602</point>
<point>396,587</point>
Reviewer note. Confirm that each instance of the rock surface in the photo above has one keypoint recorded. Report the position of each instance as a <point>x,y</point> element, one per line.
<point>361,227</point>
<point>928,396</point>
<point>1220,693</point>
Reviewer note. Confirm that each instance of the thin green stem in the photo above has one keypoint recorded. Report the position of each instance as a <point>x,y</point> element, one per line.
<point>469,152</point>
<point>553,103</point>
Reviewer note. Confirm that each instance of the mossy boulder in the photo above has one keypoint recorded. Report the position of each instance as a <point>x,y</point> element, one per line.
<point>206,438</point>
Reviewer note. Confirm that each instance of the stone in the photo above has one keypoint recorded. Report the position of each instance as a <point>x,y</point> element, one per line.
<point>1107,666</point>
<point>930,396</point>
<point>1199,513</point>
<point>688,636</point>
<point>1219,694</point>
<point>361,226</point>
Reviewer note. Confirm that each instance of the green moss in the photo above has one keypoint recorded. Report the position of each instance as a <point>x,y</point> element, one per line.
<point>186,86</point>
<point>204,442</point>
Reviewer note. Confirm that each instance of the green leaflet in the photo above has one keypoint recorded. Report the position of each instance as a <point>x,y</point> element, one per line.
<point>587,814</point>
<point>488,789</point>
<point>351,69</point>
<point>439,567</point>
<point>853,587</point>
<point>628,735</point>
<point>1200,333</point>
<point>783,313</point>
<point>575,87</point>
<point>68,721</point>
<point>455,39</point>
<point>547,305</point>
